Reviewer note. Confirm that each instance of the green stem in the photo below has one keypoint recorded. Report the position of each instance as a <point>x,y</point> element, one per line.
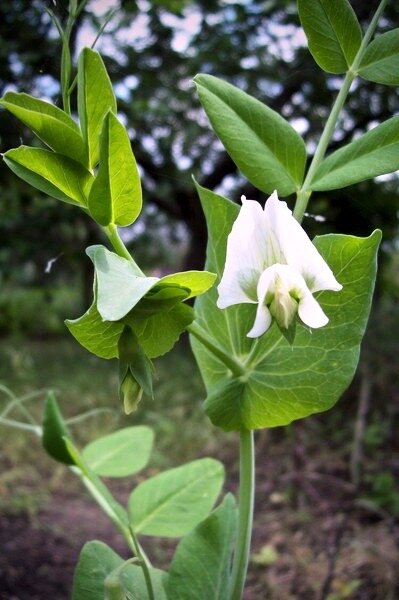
<point>144,565</point>
<point>230,361</point>
<point>20,425</point>
<point>111,231</point>
<point>245,514</point>
<point>305,192</point>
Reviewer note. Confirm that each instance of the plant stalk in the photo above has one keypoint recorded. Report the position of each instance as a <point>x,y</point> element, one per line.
<point>245,514</point>
<point>303,195</point>
<point>111,231</point>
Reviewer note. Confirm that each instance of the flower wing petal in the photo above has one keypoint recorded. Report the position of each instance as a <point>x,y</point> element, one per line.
<point>311,313</point>
<point>262,322</point>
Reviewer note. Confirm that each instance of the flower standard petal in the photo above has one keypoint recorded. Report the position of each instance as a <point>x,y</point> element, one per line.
<point>296,247</point>
<point>244,257</point>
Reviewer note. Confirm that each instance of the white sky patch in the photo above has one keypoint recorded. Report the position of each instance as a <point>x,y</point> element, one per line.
<point>184,28</point>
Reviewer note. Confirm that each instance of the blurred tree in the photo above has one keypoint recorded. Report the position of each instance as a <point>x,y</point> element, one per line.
<point>153,50</point>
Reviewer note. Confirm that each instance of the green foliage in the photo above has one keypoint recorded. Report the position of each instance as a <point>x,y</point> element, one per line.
<point>201,565</point>
<point>135,370</point>
<point>283,382</point>
<point>333,32</point>
<point>380,62</point>
<point>120,453</point>
<point>51,173</point>
<point>384,491</point>
<point>374,153</point>
<point>174,502</point>
<point>264,146</point>
<point>95,99</point>
<point>51,124</point>
<point>116,512</point>
<point>96,335</point>
<point>97,562</point>
<point>115,196</point>
<point>146,304</point>
<point>55,432</point>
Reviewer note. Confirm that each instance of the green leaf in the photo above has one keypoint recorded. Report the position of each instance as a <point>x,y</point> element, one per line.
<point>147,320</point>
<point>158,332</point>
<point>373,154</point>
<point>333,32</point>
<point>119,287</point>
<point>97,336</point>
<point>95,482</point>
<point>201,565</point>
<point>95,99</point>
<point>283,382</point>
<point>51,173</point>
<point>97,561</point>
<point>54,431</point>
<point>266,149</point>
<point>135,371</point>
<point>115,196</point>
<point>121,453</point>
<point>172,503</point>
<point>380,62</point>
<point>51,124</point>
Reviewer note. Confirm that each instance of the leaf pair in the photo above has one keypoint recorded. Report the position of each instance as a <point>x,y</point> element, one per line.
<point>66,171</point>
<point>174,503</point>
<point>335,37</point>
<point>147,305</point>
<point>199,570</point>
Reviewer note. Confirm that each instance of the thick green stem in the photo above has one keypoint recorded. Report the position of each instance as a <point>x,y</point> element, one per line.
<point>245,514</point>
<point>305,192</point>
<point>230,361</point>
<point>111,231</point>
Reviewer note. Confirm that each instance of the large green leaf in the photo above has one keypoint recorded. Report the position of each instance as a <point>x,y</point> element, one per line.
<point>158,332</point>
<point>51,173</point>
<point>95,99</point>
<point>51,124</point>
<point>373,154</point>
<point>172,503</point>
<point>201,565</point>
<point>333,32</point>
<point>266,149</point>
<point>97,561</point>
<point>97,336</point>
<point>380,62</point>
<point>115,196</point>
<point>120,453</point>
<point>119,286</point>
<point>54,432</point>
<point>283,382</point>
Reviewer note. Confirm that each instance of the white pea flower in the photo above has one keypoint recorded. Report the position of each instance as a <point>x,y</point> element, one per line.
<point>271,262</point>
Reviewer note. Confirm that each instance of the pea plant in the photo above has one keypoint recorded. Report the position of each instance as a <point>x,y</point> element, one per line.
<point>277,322</point>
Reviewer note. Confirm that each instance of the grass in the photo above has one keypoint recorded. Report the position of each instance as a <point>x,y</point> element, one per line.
<point>86,385</point>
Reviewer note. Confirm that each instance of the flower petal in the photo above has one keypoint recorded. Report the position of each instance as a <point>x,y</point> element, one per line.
<point>262,322</point>
<point>311,313</point>
<point>296,247</point>
<point>244,257</point>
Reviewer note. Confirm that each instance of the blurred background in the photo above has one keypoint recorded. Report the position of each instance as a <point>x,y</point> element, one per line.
<point>328,492</point>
